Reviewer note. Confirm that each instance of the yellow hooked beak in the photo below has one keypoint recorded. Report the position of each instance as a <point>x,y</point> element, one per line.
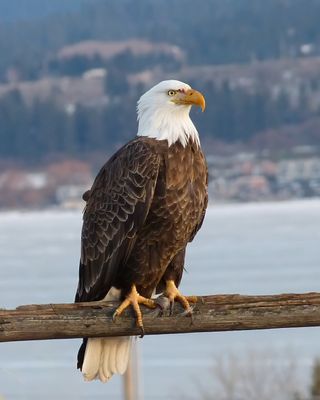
<point>190,97</point>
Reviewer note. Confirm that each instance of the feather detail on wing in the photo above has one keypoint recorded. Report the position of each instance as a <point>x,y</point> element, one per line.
<point>204,208</point>
<point>117,206</point>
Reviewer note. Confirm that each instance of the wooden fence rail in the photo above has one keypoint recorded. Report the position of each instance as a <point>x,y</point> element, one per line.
<point>211,314</point>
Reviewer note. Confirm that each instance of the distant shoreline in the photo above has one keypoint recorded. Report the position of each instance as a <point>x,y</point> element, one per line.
<point>312,202</point>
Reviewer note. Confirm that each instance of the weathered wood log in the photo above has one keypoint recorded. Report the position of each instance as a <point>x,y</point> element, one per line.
<point>211,313</point>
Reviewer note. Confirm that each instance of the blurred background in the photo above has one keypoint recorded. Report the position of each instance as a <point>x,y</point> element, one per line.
<point>70,75</point>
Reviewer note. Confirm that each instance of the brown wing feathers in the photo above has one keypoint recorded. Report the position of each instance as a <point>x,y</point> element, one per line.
<point>117,206</point>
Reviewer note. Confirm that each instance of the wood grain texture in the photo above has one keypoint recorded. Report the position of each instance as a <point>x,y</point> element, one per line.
<point>211,314</point>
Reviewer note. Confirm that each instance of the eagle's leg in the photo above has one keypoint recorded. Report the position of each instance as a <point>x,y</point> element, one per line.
<point>172,293</point>
<point>134,298</point>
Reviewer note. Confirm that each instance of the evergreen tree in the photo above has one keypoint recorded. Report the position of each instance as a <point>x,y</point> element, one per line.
<point>315,384</point>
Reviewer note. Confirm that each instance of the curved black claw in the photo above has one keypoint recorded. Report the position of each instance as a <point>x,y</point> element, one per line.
<point>141,332</point>
<point>171,307</point>
<point>114,316</point>
<point>189,313</point>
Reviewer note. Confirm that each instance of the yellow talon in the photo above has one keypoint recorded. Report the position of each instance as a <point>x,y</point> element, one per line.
<point>174,294</point>
<point>135,299</point>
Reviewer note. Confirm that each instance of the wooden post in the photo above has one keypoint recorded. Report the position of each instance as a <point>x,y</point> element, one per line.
<point>131,376</point>
<point>128,382</point>
<point>211,314</point>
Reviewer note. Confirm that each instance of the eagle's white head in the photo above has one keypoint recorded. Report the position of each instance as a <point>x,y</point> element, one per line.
<point>163,112</point>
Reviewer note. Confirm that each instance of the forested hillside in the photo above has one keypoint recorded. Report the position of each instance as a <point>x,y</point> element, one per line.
<point>223,32</point>
<point>108,52</point>
<point>24,10</point>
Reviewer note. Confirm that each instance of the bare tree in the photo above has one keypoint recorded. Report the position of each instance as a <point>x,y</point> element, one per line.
<point>258,375</point>
<point>315,384</point>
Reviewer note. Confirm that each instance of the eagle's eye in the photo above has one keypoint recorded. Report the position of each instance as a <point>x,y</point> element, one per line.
<point>172,92</point>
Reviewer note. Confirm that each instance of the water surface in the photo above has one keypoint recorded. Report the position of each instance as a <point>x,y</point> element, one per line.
<point>247,249</point>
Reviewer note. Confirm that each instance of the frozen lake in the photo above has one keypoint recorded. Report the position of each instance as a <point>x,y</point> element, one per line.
<point>247,249</point>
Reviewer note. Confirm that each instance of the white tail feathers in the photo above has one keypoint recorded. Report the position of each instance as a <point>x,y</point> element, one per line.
<point>105,357</point>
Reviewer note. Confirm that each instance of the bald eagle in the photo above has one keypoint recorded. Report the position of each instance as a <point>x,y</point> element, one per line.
<point>145,205</point>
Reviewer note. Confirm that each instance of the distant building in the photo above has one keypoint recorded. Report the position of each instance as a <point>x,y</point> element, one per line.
<point>299,169</point>
<point>70,196</point>
<point>95,73</point>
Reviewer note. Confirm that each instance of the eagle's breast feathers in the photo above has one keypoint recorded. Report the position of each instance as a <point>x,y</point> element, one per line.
<point>147,195</point>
